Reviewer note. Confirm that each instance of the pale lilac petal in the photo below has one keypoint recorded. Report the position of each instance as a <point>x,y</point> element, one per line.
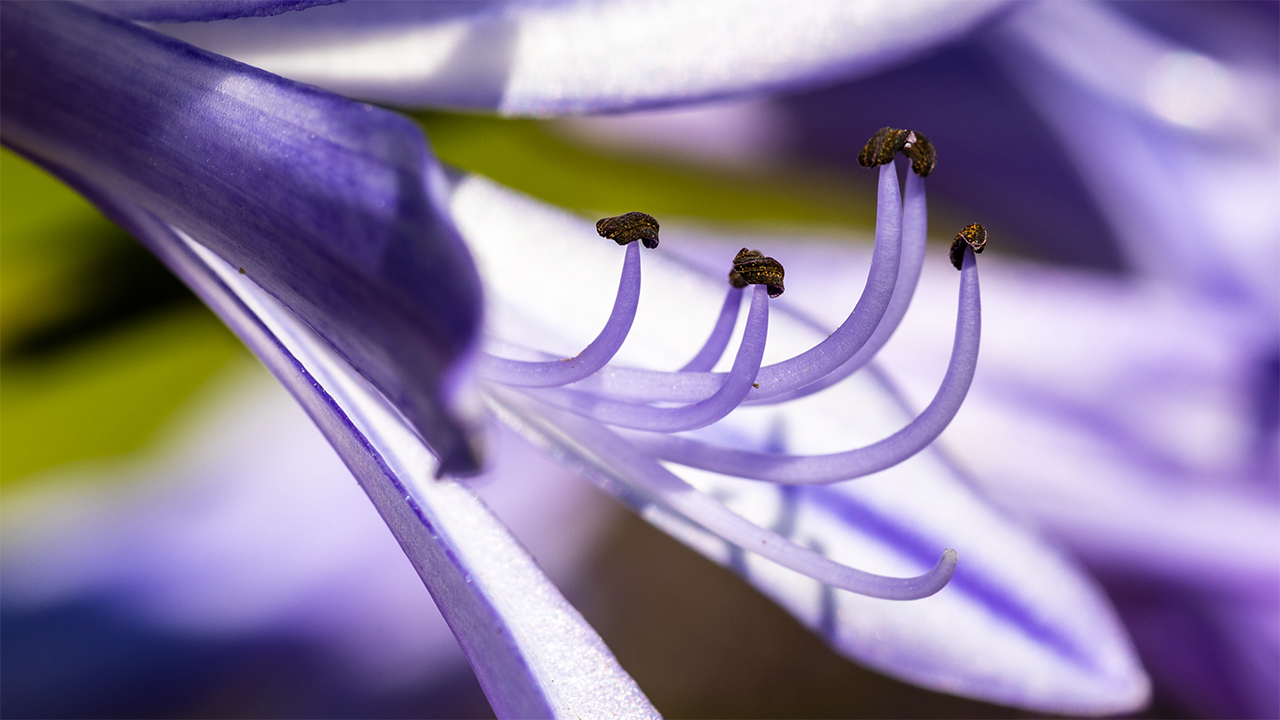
<point>332,206</point>
<point>1020,624</point>
<point>576,57</point>
<point>531,651</point>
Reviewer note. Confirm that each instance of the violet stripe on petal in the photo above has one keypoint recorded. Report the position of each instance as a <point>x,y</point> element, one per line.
<point>648,477</point>
<point>199,10</point>
<point>334,207</point>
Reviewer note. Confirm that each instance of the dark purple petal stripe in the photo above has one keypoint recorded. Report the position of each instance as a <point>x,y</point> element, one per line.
<point>200,10</point>
<point>334,207</point>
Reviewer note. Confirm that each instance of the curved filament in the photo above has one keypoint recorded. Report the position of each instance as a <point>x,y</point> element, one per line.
<point>655,386</point>
<point>915,223</point>
<point>711,351</point>
<point>554,373</point>
<point>674,419</point>
<point>639,472</point>
<point>818,469</point>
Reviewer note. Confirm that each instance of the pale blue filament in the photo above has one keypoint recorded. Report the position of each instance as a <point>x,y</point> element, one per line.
<point>631,399</point>
<point>633,384</point>
<point>915,224</point>
<point>553,373</point>
<point>816,469</point>
<point>674,419</point>
<point>714,347</point>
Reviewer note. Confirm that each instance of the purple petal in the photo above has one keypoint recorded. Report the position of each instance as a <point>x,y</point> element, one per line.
<point>1143,398</point>
<point>199,10</point>
<point>1179,149</point>
<point>1021,624</point>
<point>531,651</point>
<point>332,206</point>
<point>1123,420</point>
<point>565,58</point>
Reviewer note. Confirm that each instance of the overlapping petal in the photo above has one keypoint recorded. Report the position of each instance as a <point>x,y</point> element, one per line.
<point>1180,150</point>
<point>585,56</point>
<point>1020,624</point>
<point>337,209</point>
<point>532,653</point>
<point>332,206</point>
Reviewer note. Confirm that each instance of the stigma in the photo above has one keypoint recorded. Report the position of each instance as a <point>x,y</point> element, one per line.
<point>628,417</point>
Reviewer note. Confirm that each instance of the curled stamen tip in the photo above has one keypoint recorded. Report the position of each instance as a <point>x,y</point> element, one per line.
<point>752,267</point>
<point>973,235</point>
<point>888,142</point>
<point>938,577</point>
<point>630,227</point>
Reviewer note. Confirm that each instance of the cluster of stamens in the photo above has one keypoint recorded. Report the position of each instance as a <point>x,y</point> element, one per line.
<point>626,416</point>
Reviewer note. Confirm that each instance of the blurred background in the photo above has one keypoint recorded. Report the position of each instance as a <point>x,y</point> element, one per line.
<point>157,559</point>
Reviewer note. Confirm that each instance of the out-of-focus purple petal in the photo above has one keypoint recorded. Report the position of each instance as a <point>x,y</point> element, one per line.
<point>199,10</point>
<point>334,207</point>
<point>1019,624</point>
<point>576,57</point>
<point>1181,151</point>
<point>531,651</point>
<point>241,522</point>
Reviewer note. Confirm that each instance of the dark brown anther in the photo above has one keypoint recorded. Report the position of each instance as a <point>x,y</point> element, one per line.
<point>920,150</point>
<point>628,228</point>
<point>974,236</point>
<point>751,267</point>
<point>888,142</point>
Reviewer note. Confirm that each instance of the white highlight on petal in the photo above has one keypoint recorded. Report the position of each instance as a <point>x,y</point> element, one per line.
<point>1189,89</point>
<point>732,133</point>
<point>574,57</point>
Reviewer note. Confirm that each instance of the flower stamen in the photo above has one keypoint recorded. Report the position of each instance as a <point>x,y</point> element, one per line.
<point>647,481</point>
<point>634,384</point>
<point>617,420</point>
<point>751,267</point>
<point>972,236</point>
<point>522,373</point>
<point>630,227</point>
<point>718,340</point>
<point>822,469</point>
<point>737,383</point>
<point>888,142</point>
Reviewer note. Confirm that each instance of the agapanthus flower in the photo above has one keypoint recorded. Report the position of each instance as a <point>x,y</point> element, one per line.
<point>206,163</point>
<point>1154,384</point>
